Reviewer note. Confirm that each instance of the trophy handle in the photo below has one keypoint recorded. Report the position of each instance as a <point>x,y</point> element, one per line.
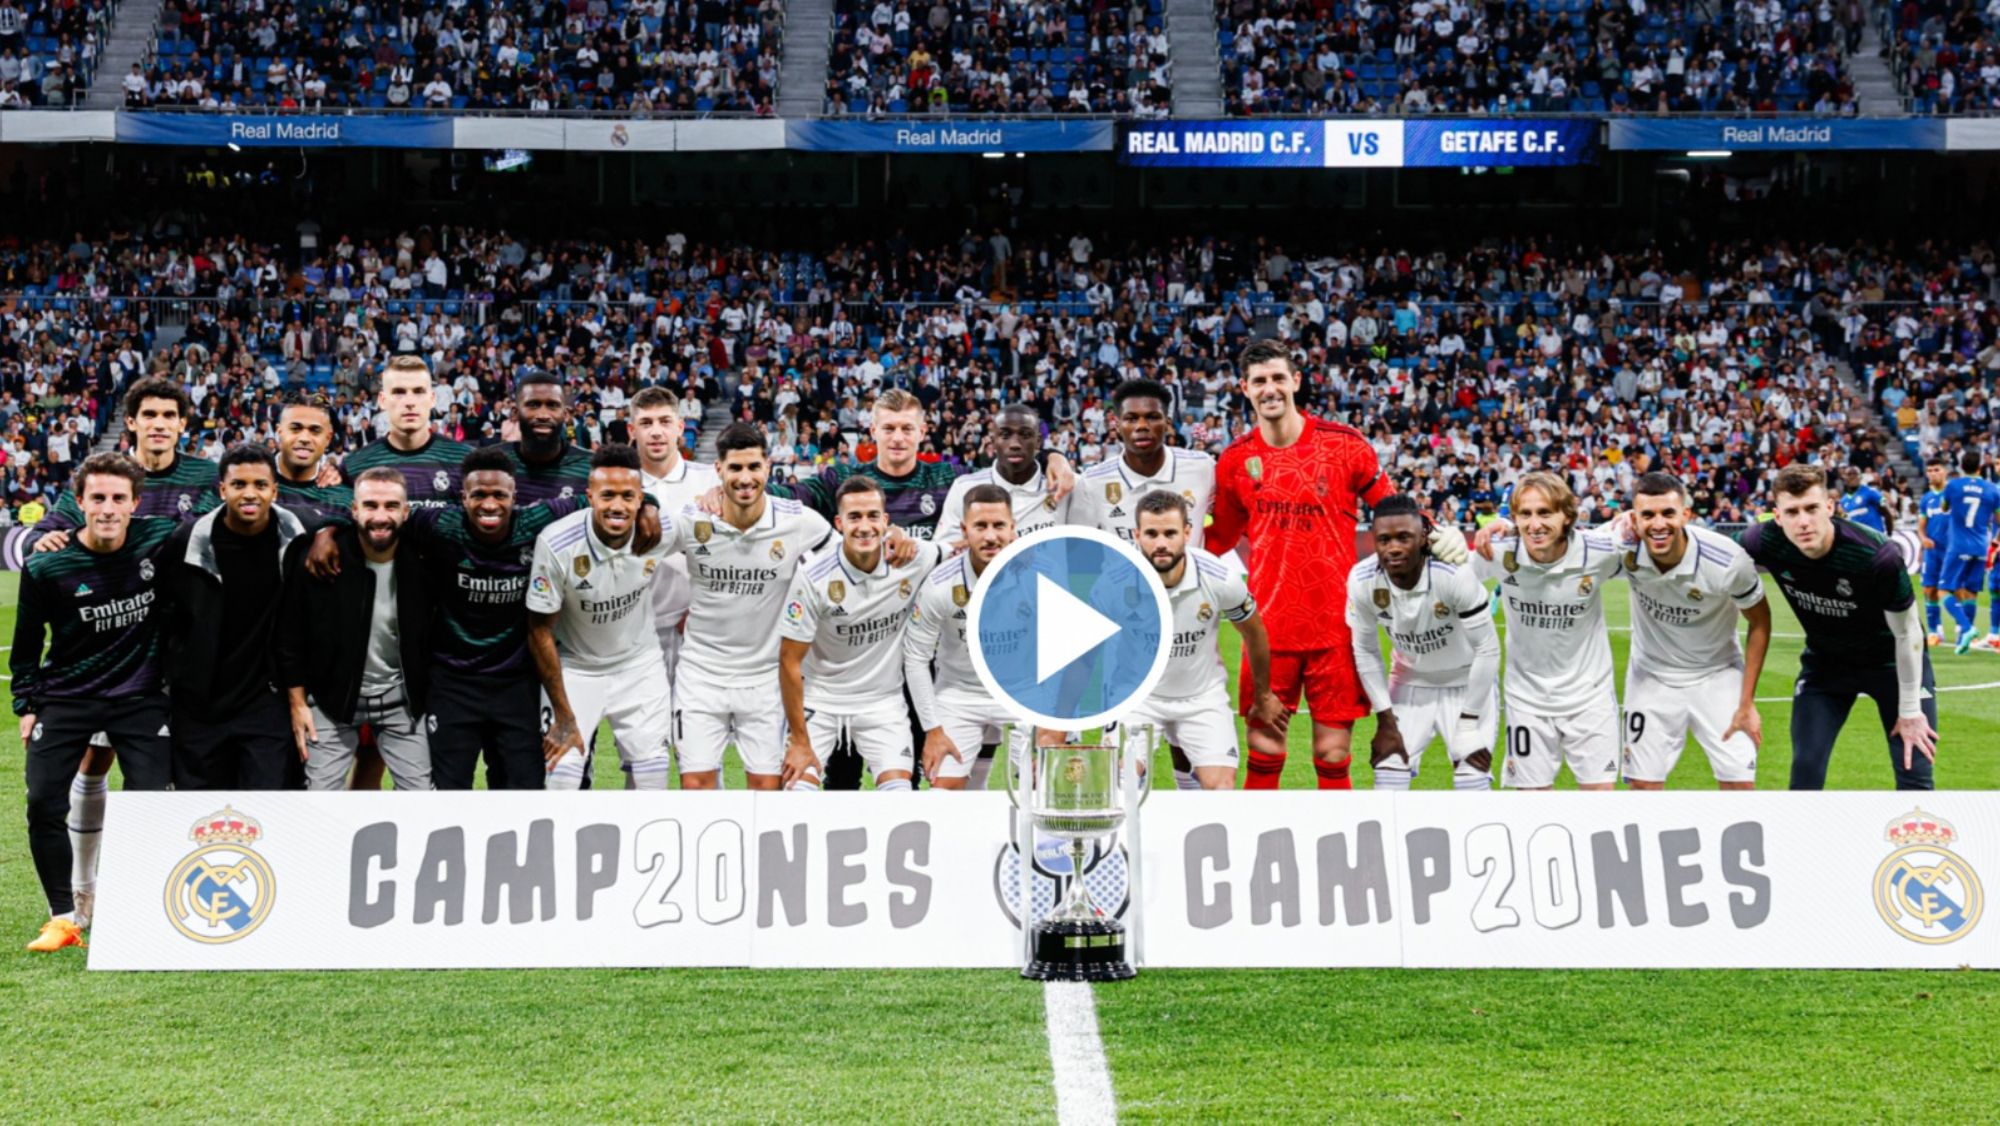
<point>1012,776</point>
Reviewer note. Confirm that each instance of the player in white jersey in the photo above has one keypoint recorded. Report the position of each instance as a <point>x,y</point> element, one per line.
<point>1017,443</point>
<point>954,706</point>
<point>740,564</point>
<point>1562,703</point>
<point>840,663</point>
<point>590,632</point>
<point>1107,497</point>
<point>1190,707</point>
<point>1445,656</point>
<point>1686,670</point>
<point>673,482</point>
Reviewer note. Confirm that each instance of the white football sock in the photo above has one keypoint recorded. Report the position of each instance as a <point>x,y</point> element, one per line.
<point>1466,778</point>
<point>982,768</point>
<point>86,829</point>
<point>1392,778</point>
<point>568,772</point>
<point>892,784</point>
<point>1185,780</point>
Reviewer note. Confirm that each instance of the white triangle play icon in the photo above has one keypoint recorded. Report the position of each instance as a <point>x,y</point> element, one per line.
<point>1065,628</point>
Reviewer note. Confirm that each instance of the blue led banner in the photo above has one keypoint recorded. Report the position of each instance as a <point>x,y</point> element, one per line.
<point>285,131</point>
<point>1777,134</point>
<point>968,135</point>
<point>1358,143</point>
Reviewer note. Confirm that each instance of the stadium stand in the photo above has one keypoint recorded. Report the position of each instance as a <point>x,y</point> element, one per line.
<point>640,57</point>
<point>48,50</point>
<point>1579,56</point>
<point>1465,368</point>
<point>1945,55</point>
<point>980,57</point>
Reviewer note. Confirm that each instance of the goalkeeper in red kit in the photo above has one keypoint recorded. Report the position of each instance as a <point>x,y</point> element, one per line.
<point>1294,487</point>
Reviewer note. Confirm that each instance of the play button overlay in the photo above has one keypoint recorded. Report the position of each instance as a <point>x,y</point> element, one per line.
<point>1069,628</point>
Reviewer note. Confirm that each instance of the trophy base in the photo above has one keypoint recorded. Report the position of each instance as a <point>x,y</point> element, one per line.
<point>1079,950</point>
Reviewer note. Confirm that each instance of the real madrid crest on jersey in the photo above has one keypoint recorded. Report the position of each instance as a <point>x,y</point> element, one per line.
<point>1631,561</point>
<point>1319,486</point>
<point>222,890</point>
<point>651,564</point>
<point>1113,492</point>
<point>1441,610</point>
<point>1585,585</point>
<point>1255,466</point>
<point>1694,594</point>
<point>441,481</point>
<point>1510,562</point>
<point>903,589</point>
<point>1049,502</point>
<point>1205,612</point>
<point>186,503</point>
<point>777,550</point>
<point>1924,891</point>
<point>527,555</point>
<point>835,591</point>
<point>146,570</point>
<point>703,531</point>
<point>581,565</point>
<point>1381,598</point>
<point>927,504</point>
<point>1844,588</point>
<point>959,595</point>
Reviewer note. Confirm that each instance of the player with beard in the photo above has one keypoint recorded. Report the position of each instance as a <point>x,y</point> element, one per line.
<point>99,673</point>
<point>1687,671</point>
<point>1294,487</point>
<point>428,463</point>
<point>1107,497</point>
<point>353,652</point>
<point>546,465</point>
<point>305,429</point>
<point>1444,654</point>
<point>1190,707</point>
<point>1017,444</point>
<point>590,632</point>
<point>674,482</point>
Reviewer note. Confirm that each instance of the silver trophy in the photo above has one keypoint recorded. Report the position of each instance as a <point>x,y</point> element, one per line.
<point>1078,792</point>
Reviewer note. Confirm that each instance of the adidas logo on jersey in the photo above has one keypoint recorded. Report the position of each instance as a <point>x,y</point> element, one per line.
<point>838,612</point>
<point>700,549</point>
<point>1511,581</point>
<point>583,585</point>
<point>1116,511</point>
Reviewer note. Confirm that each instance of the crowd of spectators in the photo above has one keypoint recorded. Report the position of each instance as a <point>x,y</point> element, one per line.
<point>48,50</point>
<point>629,56</point>
<point>1946,54</point>
<point>1465,368</point>
<point>1502,56</point>
<point>999,56</point>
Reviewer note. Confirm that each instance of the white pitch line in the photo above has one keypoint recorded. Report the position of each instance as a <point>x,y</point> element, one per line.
<point>1945,688</point>
<point>1076,1055</point>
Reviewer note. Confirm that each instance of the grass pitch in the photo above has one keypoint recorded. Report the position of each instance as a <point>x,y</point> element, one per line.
<point>970,1045</point>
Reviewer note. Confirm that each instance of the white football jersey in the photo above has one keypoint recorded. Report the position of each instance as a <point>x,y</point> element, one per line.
<point>739,580</point>
<point>1107,498</point>
<point>1210,591</point>
<point>854,621</point>
<point>936,629</point>
<point>1684,620</point>
<point>1558,656</point>
<point>601,596</point>
<point>673,492</point>
<point>1430,644</point>
<point>1034,509</point>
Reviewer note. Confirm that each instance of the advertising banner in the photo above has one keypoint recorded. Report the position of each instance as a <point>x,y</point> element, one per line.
<point>25,127</point>
<point>968,135</point>
<point>1358,143</point>
<point>1777,135</point>
<point>352,881</point>
<point>288,131</point>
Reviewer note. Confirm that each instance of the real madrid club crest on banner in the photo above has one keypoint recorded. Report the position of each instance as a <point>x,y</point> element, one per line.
<point>1925,891</point>
<point>222,890</point>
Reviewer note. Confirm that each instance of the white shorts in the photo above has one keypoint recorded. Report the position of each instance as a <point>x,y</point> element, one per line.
<point>1538,745</point>
<point>967,723</point>
<point>634,700</point>
<point>1424,714</point>
<point>708,718</point>
<point>1659,717</point>
<point>1203,727</point>
<point>880,730</point>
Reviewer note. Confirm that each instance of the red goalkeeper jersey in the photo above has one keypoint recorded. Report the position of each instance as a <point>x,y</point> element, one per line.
<point>1298,505</point>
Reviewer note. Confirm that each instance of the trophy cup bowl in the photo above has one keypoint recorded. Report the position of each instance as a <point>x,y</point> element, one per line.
<point>1075,796</point>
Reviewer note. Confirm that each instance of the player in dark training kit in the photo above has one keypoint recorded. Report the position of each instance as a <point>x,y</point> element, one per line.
<point>428,463</point>
<point>176,486</point>
<point>305,429</point>
<point>546,465</point>
<point>1851,590</point>
<point>100,672</point>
